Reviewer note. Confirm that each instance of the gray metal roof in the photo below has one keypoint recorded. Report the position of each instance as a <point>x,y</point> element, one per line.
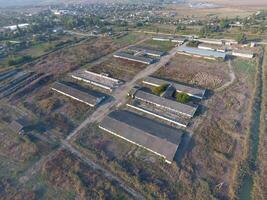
<point>16,126</point>
<point>146,51</point>
<point>155,136</point>
<point>89,99</point>
<point>6,74</point>
<point>96,79</point>
<point>246,52</point>
<point>167,104</point>
<point>128,56</point>
<point>201,52</point>
<point>192,91</point>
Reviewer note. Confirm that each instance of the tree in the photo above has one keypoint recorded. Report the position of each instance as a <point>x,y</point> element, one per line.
<point>241,38</point>
<point>180,27</point>
<point>193,43</point>
<point>160,89</point>
<point>224,23</point>
<point>182,97</point>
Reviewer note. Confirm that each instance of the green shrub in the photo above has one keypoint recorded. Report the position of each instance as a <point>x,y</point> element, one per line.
<point>160,89</point>
<point>193,44</point>
<point>14,60</point>
<point>182,97</point>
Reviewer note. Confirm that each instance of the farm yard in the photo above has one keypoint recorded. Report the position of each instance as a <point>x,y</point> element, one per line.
<point>209,154</point>
<point>116,101</point>
<point>118,68</point>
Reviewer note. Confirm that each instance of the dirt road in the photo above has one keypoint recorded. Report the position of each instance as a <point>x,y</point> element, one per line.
<point>232,78</point>
<point>106,173</point>
<point>121,93</point>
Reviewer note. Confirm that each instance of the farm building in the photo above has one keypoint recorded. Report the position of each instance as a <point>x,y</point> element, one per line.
<point>243,54</point>
<point>229,42</point>
<point>6,74</point>
<point>158,138</point>
<point>92,99</point>
<point>191,91</point>
<point>212,47</point>
<point>15,27</point>
<point>134,58</point>
<point>179,40</point>
<point>95,79</point>
<point>210,41</point>
<point>17,81</point>
<point>190,51</point>
<point>148,52</point>
<point>17,126</point>
<point>163,39</point>
<point>169,105</point>
<point>162,116</point>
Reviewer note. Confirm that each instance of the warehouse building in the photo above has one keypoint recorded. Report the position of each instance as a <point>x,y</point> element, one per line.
<point>18,126</point>
<point>6,74</point>
<point>229,42</point>
<point>190,51</point>
<point>169,105</point>
<point>96,79</point>
<point>210,41</point>
<point>148,52</point>
<point>179,40</point>
<point>161,116</point>
<point>134,58</point>
<point>191,91</point>
<point>163,39</point>
<point>92,99</point>
<point>156,137</point>
<point>243,54</point>
<point>211,47</point>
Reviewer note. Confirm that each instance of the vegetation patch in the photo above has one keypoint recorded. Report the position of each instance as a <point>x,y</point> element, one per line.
<point>159,90</point>
<point>182,97</point>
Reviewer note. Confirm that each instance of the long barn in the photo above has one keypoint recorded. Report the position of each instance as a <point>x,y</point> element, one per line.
<point>89,99</point>
<point>156,137</point>
<point>191,91</point>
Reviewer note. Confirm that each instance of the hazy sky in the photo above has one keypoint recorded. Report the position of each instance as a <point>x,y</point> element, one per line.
<point>17,2</point>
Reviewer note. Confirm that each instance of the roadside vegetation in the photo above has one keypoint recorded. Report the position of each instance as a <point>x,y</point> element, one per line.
<point>259,182</point>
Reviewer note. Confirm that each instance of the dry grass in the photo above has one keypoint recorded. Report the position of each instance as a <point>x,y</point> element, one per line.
<point>208,74</point>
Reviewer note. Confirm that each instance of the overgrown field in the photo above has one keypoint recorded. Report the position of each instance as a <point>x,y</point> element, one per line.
<point>207,74</point>
<point>207,169</point>
<point>65,177</point>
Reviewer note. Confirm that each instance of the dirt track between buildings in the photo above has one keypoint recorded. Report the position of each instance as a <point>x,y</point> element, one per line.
<point>120,96</point>
<point>121,93</point>
<point>232,78</point>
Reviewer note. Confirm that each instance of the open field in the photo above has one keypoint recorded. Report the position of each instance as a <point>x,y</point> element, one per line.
<point>118,68</point>
<point>207,74</point>
<point>158,45</point>
<point>204,13</point>
<point>239,3</point>
<point>65,177</point>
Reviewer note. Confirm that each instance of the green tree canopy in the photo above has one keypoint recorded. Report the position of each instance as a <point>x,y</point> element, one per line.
<point>241,38</point>
<point>160,89</point>
<point>182,97</point>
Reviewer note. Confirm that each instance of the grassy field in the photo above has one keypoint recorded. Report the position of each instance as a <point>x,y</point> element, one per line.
<point>247,67</point>
<point>207,74</point>
<point>128,39</point>
<point>66,177</point>
<point>158,45</point>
